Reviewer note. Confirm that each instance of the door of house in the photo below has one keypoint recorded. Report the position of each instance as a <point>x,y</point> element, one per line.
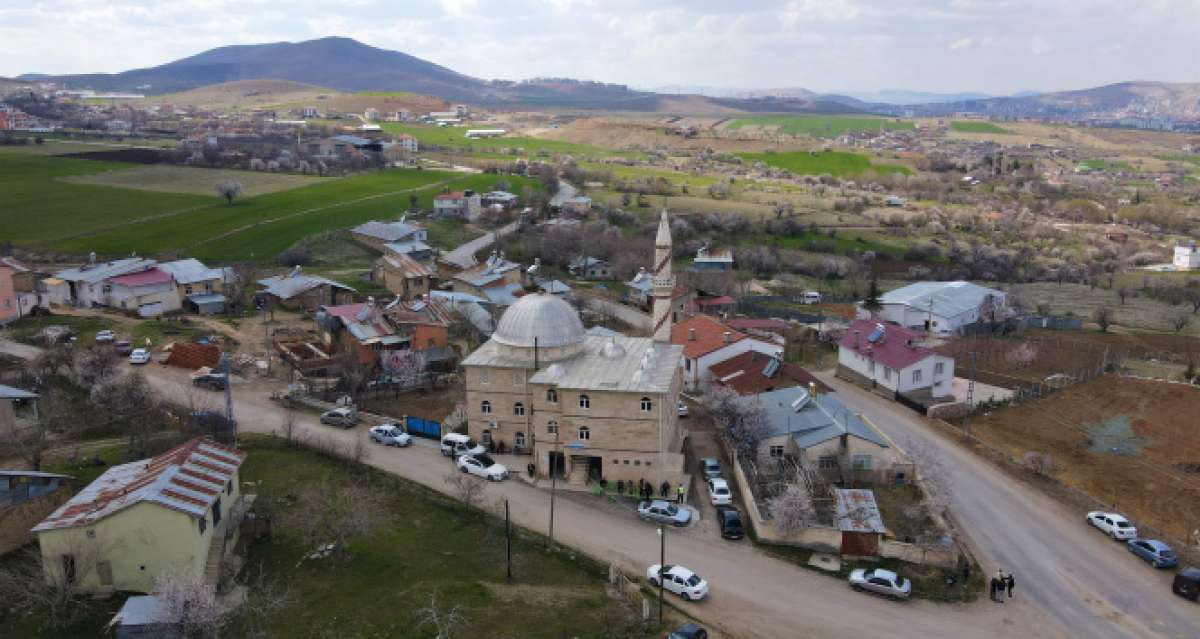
<point>857,544</point>
<point>217,513</point>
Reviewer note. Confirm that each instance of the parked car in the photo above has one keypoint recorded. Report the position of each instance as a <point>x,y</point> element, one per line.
<point>664,512</point>
<point>482,466</point>
<point>344,417</point>
<point>1154,551</point>
<point>884,582</point>
<point>390,435</point>
<point>123,348</point>
<point>689,631</point>
<point>719,493</point>
<point>105,337</point>
<point>139,356</point>
<point>678,580</point>
<point>682,408</point>
<point>211,381</point>
<point>455,444</point>
<point>710,467</point>
<point>1112,524</point>
<point>1187,583</point>
<point>730,520</point>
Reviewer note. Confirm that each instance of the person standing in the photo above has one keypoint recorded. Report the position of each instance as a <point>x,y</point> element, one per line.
<point>992,589</point>
<point>679,497</point>
<point>1009,582</point>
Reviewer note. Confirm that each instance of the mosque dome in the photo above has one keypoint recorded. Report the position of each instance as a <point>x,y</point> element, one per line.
<point>546,318</point>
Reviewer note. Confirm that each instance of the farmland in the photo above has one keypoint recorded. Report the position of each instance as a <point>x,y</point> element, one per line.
<point>973,126</point>
<point>817,125</point>
<point>454,137</point>
<point>169,178</point>
<point>1131,444</point>
<point>836,163</point>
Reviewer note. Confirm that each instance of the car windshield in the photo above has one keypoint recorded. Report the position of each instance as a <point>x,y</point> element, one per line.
<point>1124,524</point>
<point>694,580</point>
<point>711,464</point>
<point>721,490</point>
<point>671,510</point>
<point>485,461</point>
<point>470,443</point>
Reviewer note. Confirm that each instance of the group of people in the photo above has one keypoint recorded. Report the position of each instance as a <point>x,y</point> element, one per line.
<point>646,491</point>
<point>999,584</point>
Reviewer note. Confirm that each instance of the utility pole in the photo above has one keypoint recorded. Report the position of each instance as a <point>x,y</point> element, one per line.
<point>226,367</point>
<point>662,566</point>
<point>508,539</point>
<point>970,397</point>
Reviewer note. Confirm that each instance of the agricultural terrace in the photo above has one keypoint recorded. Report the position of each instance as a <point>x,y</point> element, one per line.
<point>972,126</point>
<point>1132,444</point>
<point>819,126</point>
<point>836,163</point>
<point>170,178</point>
<point>454,137</point>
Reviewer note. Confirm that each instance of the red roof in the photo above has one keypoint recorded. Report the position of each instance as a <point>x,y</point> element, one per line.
<point>744,374</point>
<point>346,311</point>
<point>897,346</point>
<point>142,278</point>
<point>193,356</point>
<point>709,335</point>
<point>452,195</point>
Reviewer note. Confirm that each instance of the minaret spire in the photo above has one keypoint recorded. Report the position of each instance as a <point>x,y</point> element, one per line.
<point>663,282</point>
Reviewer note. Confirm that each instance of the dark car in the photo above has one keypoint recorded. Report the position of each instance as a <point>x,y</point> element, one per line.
<point>1187,583</point>
<point>689,631</point>
<point>123,348</point>
<point>730,521</point>
<point>211,381</point>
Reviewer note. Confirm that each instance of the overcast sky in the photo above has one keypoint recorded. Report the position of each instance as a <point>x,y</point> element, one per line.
<point>993,46</point>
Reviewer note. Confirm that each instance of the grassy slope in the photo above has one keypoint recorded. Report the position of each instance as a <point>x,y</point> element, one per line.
<point>171,178</point>
<point>977,127</point>
<point>838,163</point>
<point>37,207</point>
<point>820,125</point>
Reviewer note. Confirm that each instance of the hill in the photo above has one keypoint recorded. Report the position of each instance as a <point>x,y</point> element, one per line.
<point>347,65</point>
<point>249,94</point>
<point>1124,99</point>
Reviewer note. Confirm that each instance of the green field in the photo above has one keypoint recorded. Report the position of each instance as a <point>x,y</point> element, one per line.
<point>974,126</point>
<point>1107,165</point>
<point>645,172</point>
<point>453,137</point>
<point>820,126</point>
<point>171,178</point>
<point>836,163</point>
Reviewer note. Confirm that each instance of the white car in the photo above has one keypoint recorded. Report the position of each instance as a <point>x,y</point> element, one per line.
<point>1112,524</point>
<point>678,580</point>
<point>455,444</point>
<point>719,493</point>
<point>884,582</point>
<point>139,356</point>
<point>105,337</point>
<point>482,466</point>
<point>390,435</point>
<point>682,409</point>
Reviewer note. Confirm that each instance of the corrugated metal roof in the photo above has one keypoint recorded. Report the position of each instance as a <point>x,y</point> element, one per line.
<point>92,273</point>
<point>404,248</point>
<point>189,479</point>
<point>31,473</point>
<point>386,231</point>
<point>554,287</point>
<point>811,421</point>
<point>190,271</point>
<point>948,298</point>
<point>856,511</point>
<point>10,392</point>
<point>290,285</point>
<point>147,277</point>
<point>503,295</point>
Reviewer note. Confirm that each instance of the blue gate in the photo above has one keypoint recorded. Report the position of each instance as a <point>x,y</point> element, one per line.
<point>418,427</point>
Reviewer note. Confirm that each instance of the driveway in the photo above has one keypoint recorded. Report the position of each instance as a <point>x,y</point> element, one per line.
<point>1092,586</point>
<point>463,255</point>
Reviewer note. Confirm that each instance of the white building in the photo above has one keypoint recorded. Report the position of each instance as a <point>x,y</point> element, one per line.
<point>151,293</point>
<point>707,341</point>
<point>465,204</point>
<point>407,142</point>
<point>484,133</point>
<point>87,285</point>
<point>940,307</point>
<point>877,355</point>
<point>1186,257</point>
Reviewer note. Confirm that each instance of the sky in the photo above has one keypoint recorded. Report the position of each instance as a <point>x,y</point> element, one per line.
<point>990,46</point>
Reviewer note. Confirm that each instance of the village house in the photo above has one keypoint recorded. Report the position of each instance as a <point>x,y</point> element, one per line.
<point>1186,258</point>
<point>497,280</point>
<point>87,285</point>
<point>590,268</point>
<point>587,407</point>
<point>706,341</point>
<point>295,290</point>
<point>199,287</point>
<point>890,359</point>
<point>407,143</point>
<point>178,511</point>
<point>151,293</point>
<point>466,205</point>
<point>579,205</point>
<point>818,431</point>
<point>708,260</point>
<point>753,372</point>
<point>376,235</point>
<point>770,328</point>
<point>719,306</point>
<point>425,325</point>
<point>641,294</point>
<point>402,275</point>
<point>940,307</point>
<point>359,329</point>
<point>503,199</point>
<point>27,289</point>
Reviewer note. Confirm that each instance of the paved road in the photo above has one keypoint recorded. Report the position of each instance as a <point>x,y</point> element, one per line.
<point>627,314</point>
<point>464,255</point>
<point>1090,585</point>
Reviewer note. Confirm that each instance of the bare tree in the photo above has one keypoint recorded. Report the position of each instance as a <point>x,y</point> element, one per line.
<point>744,423</point>
<point>130,403</point>
<point>1123,293</point>
<point>27,582</point>
<point>1179,320</point>
<point>932,473</point>
<point>457,419</point>
<point>1103,318</point>
<point>469,490</point>
<point>95,366</point>
<point>192,604</point>
<point>331,512</point>
<point>446,620</point>
<point>53,359</point>
<point>793,509</point>
<point>229,190</point>
<point>1039,463</point>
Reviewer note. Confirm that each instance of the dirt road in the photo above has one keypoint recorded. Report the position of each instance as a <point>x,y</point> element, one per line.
<point>1092,586</point>
<point>627,314</point>
<point>464,254</point>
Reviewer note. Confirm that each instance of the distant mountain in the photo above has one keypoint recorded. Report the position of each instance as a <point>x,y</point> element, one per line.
<point>903,96</point>
<point>1157,100</point>
<point>348,65</point>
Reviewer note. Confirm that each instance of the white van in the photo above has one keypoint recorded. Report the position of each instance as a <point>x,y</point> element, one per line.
<point>812,297</point>
<point>455,444</point>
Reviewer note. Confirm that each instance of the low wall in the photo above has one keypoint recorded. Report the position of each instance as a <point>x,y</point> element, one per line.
<point>950,410</point>
<point>891,549</point>
<point>819,539</point>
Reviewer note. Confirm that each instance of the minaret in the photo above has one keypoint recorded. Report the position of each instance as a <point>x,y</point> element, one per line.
<point>663,281</point>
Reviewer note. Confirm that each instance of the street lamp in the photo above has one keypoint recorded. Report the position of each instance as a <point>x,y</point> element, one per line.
<point>662,566</point>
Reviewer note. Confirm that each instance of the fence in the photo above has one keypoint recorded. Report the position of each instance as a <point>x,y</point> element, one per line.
<point>772,306</point>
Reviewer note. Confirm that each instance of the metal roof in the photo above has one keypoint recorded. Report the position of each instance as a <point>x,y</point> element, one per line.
<point>143,610</point>
<point>856,511</point>
<point>554,287</point>
<point>809,420</point>
<point>9,392</point>
<point>386,231</point>
<point>948,298</point>
<point>295,283</point>
<point>503,295</point>
<point>92,273</point>
<point>188,478</point>
<point>206,298</point>
<point>31,473</point>
<point>148,277</point>
<point>617,364</point>
<point>541,317</point>
<point>190,271</point>
<point>404,248</point>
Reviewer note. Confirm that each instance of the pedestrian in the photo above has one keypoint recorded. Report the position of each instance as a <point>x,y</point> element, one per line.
<point>966,572</point>
<point>995,586</point>
<point>679,498</point>
<point>664,490</point>
<point>1009,582</point>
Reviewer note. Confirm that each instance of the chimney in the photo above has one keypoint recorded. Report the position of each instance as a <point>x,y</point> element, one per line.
<point>812,390</point>
<point>856,339</point>
<point>691,334</point>
<point>728,337</point>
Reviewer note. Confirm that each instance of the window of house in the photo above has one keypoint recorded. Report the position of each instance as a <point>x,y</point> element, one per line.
<point>584,401</point>
<point>519,440</point>
<point>887,373</point>
<point>203,524</point>
<point>827,462</point>
<point>625,461</point>
<point>485,407</point>
<point>647,405</point>
<point>483,377</point>
<point>861,462</point>
<point>687,364</point>
<point>68,565</point>
<point>871,366</point>
<point>229,487</point>
<point>917,376</point>
<point>939,368</point>
<point>518,409</point>
<point>552,427</point>
<point>487,438</point>
<point>585,432</point>
<point>187,289</point>
<point>777,451</point>
<point>552,396</point>
<point>637,462</point>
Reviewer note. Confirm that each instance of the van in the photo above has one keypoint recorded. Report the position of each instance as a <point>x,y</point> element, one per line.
<point>455,444</point>
<point>812,297</point>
